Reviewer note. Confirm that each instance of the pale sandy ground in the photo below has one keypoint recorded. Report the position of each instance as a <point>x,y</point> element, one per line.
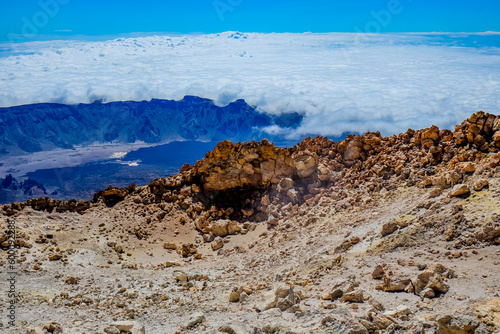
<point>22,164</point>
<point>300,251</point>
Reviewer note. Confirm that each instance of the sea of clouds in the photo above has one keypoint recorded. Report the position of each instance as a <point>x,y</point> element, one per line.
<point>341,82</point>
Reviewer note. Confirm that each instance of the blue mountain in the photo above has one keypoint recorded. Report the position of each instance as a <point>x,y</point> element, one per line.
<point>46,126</point>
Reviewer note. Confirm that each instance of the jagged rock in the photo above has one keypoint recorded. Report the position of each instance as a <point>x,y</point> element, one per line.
<point>378,272</point>
<point>218,243</point>
<point>480,184</point>
<point>286,183</point>
<point>456,325</point>
<point>180,276</point>
<point>53,328</point>
<point>268,302</point>
<point>233,227</point>
<point>170,245</point>
<point>123,326</point>
<point>293,195</point>
<point>72,280</point>
<point>389,228</point>
<point>459,190</point>
<point>430,279</point>
<point>188,250</point>
<point>236,329</point>
<point>394,284</point>
<point>194,320</point>
<point>489,312</point>
<point>231,166</point>
<point>343,323</point>
<point>469,168</point>
<point>353,297</point>
<point>305,164</point>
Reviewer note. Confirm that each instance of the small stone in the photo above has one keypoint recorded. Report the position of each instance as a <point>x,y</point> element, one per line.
<point>469,168</point>
<point>217,243</point>
<point>234,296</point>
<point>247,289</point>
<point>219,228</point>
<point>53,327</point>
<point>459,190</point>
<point>378,272</point>
<point>336,294</point>
<point>180,276</point>
<point>123,326</point>
<point>194,320</point>
<point>72,280</point>
<point>233,227</point>
<point>403,310</point>
<point>111,330</point>
<point>353,297</point>
<point>428,293</point>
<point>243,297</point>
<point>286,183</point>
<point>170,245</point>
<point>389,228</point>
<point>480,184</point>
<point>55,257</point>
<point>235,329</point>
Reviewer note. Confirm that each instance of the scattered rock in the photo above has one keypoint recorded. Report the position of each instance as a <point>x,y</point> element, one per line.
<point>170,245</point>
<point>353,297</point>
<point>34,331</point>
<point>218,243</point>
<point>480,184</point>
<point>131,327</point>
<point>459,190</point>
<point>234,296</point>
<point>378,272</point>
<point>53,328</point>
<point>180,276</point>
<point>394,284</point>
<point>72,280</point>
<point>236,329</point>
<point>188,250</point>
<point>457,325</point>
<point>111,330</point>
<point>194,320</point>
<point>389,228</point>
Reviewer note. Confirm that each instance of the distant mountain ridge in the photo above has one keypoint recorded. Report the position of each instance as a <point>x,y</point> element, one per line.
<point>47,126</point>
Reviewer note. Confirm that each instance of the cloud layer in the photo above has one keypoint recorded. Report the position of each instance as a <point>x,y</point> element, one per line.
<point>342,82</point>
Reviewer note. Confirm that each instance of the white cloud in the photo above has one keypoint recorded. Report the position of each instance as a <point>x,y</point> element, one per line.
<point>343,82</point>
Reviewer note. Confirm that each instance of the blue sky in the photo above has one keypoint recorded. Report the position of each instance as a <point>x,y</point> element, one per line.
<point>46,19</point>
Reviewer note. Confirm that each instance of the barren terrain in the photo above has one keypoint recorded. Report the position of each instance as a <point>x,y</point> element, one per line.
<point>371,234</point>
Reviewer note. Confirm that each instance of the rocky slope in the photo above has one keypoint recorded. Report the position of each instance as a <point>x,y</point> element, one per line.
<point>46,126</point>
<point>370,234</point>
